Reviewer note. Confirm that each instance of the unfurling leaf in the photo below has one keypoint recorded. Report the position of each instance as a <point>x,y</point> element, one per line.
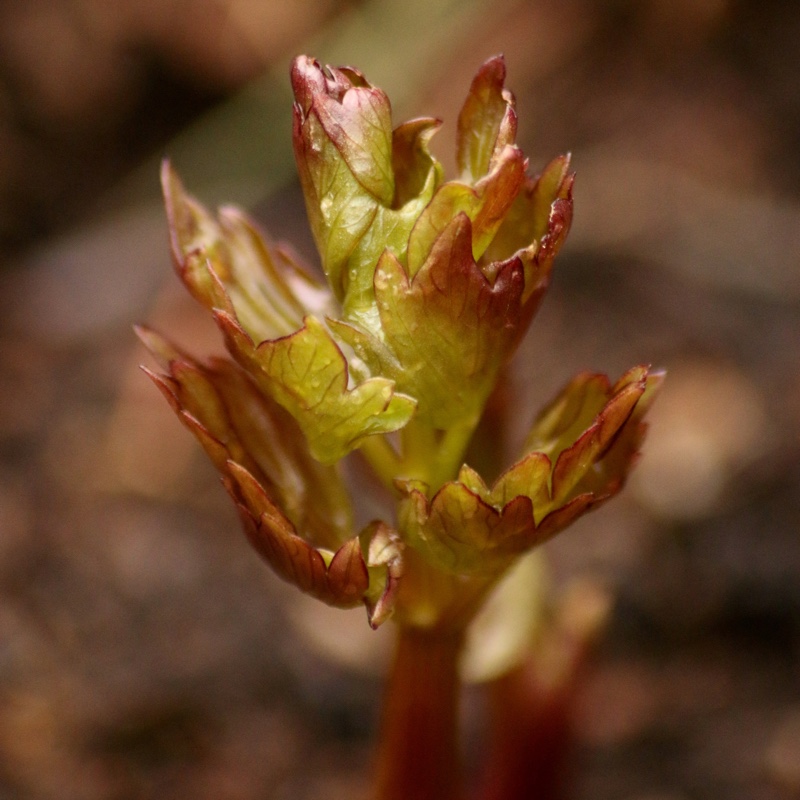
<point>579,454</point>
<point>295,511</point>
<point>448,330</point>
<point>307,374</point>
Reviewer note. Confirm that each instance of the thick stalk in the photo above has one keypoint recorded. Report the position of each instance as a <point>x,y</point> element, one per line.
<point>530,738</point>
<point>531,706</point>
<point>418,750</point>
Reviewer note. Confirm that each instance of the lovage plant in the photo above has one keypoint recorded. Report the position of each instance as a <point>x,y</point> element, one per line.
<point>431,285</point>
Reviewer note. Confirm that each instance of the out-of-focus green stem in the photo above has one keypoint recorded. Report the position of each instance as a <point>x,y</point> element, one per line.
<point>418,749</point>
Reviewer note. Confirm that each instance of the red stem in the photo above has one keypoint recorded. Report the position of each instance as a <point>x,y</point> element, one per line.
<point>530,733</point>
<point>418,749</point>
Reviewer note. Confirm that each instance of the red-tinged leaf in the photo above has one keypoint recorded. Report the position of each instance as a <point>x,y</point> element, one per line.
<point>473,481</point>
<point>558,225</point>
<point>348,576</point>
<point>529,477</point>
<point>160,348</point>
<point>231,418</point>
<point>197,404</point>
<point>542,209</point>
<point>460,533</point>
<point>487,121</point>
<point>227,264</point>
<point>554,183</point>
<point>413,165</point>
<point>486,204</point>
<point>610,472</point>
<point>219,453</point>
<point>497,190</point>
<point>538,260</point>
<point>360,126</point>
<point>565,418</point>
<point>578,459</point>
<point>347,155</point>
<point>341,580</point>
<point>199,251</point>
<point>354,116</point>
<point>470,529</point>
<point>310,493</point>
<point>166,386</point>
<point>268,281</point>
<point>234,421</point>
<point>562,517</point>
<point>449,329</point>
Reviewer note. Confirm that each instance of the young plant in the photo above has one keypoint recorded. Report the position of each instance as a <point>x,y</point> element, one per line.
<point>431,285</point>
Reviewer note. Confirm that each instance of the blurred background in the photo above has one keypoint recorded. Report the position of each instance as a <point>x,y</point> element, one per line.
<point>145,652</point>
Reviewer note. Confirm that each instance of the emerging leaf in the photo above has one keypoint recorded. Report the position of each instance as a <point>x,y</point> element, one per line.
<point>228,264</point>
<point>259,299</point>
<point>586,444</point>
<point>279,489</point>
<point>341,578</point>
<point>338,579</point>
<point>448,330</point>
<point>487,122</point>
<point>485,204</point>
<point>308,375</point>
<point>347,156</point>
<point>235,422</point>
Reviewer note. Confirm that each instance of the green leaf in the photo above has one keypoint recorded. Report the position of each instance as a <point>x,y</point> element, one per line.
<point>308,375</point>
<point>339,208</point>
<point>388,230</point>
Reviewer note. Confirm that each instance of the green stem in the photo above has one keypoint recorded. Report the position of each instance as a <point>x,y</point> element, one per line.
<point>418,749</point>
<point>450,453</point>
<point>419,450</point>
<point>434,456</point>
<point>381,456</point>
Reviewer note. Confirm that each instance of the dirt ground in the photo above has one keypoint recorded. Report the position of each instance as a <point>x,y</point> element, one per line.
<point>145,652</point>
